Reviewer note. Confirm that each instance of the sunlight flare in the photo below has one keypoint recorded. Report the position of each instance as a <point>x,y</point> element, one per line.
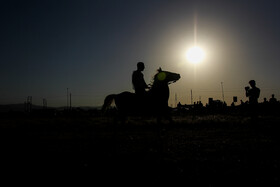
<point>195,55</point>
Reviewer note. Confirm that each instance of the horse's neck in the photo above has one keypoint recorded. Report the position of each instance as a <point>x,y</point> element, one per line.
<point>160,89</point>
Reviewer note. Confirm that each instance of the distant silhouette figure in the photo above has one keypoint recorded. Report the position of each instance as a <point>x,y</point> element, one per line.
<point>272,100</point>
<point>138,81</point>
<point>252,93</point>
<point>179,105</point>
<point>155,102</point>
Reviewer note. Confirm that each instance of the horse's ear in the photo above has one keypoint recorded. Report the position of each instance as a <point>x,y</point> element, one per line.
<point>159,69</point>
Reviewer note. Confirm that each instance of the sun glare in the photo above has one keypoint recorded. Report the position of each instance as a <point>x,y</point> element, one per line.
<point>195,55</point>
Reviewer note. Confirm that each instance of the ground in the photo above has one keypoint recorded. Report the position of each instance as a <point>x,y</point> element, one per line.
<point>208,150</point>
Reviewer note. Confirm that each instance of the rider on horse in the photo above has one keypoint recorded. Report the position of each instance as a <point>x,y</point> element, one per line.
<point>152,102</point>
<point>138,81</point>
<point>139,85</point>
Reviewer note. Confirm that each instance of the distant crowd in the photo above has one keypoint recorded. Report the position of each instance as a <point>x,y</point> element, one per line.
<point>252,106</point>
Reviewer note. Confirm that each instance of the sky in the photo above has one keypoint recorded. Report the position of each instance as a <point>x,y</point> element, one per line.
<point>92,47</point>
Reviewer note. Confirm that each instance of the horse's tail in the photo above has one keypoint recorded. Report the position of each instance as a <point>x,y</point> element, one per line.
<point>107,102</point>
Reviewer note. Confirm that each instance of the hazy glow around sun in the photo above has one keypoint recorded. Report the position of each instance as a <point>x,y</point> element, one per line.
<point>195,55</point>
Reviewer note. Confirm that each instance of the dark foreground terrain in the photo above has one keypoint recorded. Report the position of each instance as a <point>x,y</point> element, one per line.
<point>212,150</point>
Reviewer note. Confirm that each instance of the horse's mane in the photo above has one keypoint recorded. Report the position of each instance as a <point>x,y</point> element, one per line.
<point>154,77</point>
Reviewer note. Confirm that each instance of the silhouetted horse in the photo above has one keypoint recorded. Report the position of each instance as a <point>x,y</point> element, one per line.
<point>153,103</point>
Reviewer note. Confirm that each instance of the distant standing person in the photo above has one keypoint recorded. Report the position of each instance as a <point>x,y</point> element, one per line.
<point>252,93</point>
<point>272,100</point>
<point>138,81</point>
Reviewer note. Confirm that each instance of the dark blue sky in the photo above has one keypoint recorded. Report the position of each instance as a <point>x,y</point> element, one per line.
<point>92,47</point>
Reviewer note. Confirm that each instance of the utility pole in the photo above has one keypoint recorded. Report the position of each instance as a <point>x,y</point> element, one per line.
<point>44,103</point>
<point>29,104</point>
<point>70,102</point>
<point>223,92</point>
<point>191,98</point>
<point>175,100</point>
<point>67,105</point>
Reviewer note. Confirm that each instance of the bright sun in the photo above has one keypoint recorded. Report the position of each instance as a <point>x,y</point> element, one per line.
<point>195,55</point>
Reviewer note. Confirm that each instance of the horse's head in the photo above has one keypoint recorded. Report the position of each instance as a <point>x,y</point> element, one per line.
<point>160,89</point>
<point>166,77</point>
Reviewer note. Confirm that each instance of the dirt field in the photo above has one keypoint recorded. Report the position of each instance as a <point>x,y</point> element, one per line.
<point>213,150</point>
